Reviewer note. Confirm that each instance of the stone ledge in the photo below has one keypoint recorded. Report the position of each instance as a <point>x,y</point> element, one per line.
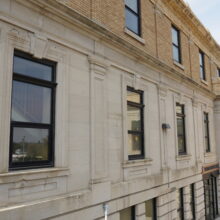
<point>136,163</point>
<point>17,176</point>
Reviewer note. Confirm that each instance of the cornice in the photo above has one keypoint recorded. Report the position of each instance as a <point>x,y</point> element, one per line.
<point>59,11</point>
<point>180,9</point>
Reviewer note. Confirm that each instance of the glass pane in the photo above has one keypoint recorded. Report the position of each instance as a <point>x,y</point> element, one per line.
<point>132,4</point>
<point>149,209</point>
<point>176,56</point>
<point>133,97</point>
<point>202,73</point>
<point>201,59</point>
<point>175,36</point>
<point>30,103</point>
<point>133,118</point>
<point>30,144</point>
<point>126,214</point>
<point>179,109</point>
<point>33,69</point>
<point>134,144</point>
<point>181,144</point>
<point>131,21</point>
<point>180,128</point>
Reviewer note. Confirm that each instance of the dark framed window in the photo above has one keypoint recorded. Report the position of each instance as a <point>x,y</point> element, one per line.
<point>206,132</point>
<point>32,112</point>
<point>135,123</point>
<point>151,209</point>
<point>128,213</point>
<point>176,44</point>
<point>202,65</point>
<point>180,120</point>
<point>218,72</point>
<point>180,204</point>
<point>132,16</point>
<point>192,201</point>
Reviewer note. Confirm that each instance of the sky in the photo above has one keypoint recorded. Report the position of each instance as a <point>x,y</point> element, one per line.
<point>207,12</point>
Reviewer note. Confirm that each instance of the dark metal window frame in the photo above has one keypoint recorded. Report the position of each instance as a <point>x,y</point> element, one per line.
<point>137,14</point>
<point>154,208</point>
<point>133,212</point>
<point>50,126</point>
<point>177,46</point>
<point>182,115</point>
<point>181,208</point>
<point>206,126</point>
<point>141,107</point>
<point>202,65</point>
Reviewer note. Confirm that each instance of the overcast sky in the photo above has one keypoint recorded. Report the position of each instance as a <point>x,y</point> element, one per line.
<point>208,13</point>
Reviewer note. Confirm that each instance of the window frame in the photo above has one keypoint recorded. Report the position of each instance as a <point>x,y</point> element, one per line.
<point>182,115</point>
<point>140,106</point>
<point>192,201</point>
<point>137,14</point>
<point>202,65</point>
<point>181,202</point>
<point>206,127</point>
<point>173,27</point>
<point>49,126</point>
<point>218,71</point>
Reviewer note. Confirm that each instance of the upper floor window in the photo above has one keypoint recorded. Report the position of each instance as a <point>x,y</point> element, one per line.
<point>176,44</point>
<point>135,123</point>
<point>180,118</point>
<point>206,132</point>
<point>202,65</point>
<point>128,213</point>
<point>32,112</point>
<point>132,15</point>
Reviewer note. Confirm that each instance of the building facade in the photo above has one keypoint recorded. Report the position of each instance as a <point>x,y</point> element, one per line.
<point>107,108</point>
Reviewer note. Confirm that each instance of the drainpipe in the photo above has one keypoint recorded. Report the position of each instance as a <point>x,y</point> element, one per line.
<point>105,207</point>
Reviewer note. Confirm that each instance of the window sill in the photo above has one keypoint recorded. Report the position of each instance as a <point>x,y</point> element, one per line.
<point>133,35</point>
<point>183,157</point>
<point>209,154</point>
<point>27,175</point>
<point>178,65</point>
<point>136,163</point>
<point>204,82</point>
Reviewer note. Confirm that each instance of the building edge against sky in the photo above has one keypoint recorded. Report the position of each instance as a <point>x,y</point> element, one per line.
<point>107,105</point>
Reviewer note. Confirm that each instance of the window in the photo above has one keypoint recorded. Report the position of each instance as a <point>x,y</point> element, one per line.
<point>206,132</point>
<point>202,65</point>
<point>218,72</point>
<point>180,204</point>
<point>135,123</point>
<point>151,209</point>
<point>132,15</point>
<point>176,44</point>
<point>192,201</point>
<point>128,213</point>
<point>180,118</point>
<point>32,112</point>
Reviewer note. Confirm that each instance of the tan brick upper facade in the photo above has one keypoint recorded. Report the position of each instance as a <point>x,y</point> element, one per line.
<point>156,21</point>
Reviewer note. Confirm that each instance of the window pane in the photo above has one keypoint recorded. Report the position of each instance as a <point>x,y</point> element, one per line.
<point>149,209</point>
<point>29,144</point>
<point>134,144</point>
<point>176,56</point>
<point>179,109</point>
<point>133,97</point>
<point>134,118</point>
<point>30,103</point>
<point>131,21</point>
<point>202,73</point>
<point>175,36</point>
<point>33,69</point>
<point>180,126</point>
<point>132,4</point>
<point>126,214</point>
<point>201,58</point>
<point>181,144</point>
